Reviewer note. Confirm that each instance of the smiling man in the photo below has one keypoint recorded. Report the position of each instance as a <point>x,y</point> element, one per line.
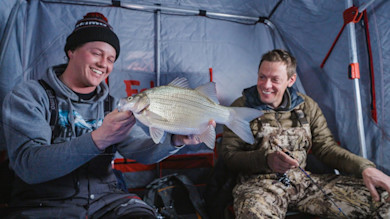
<point>269,180</point>
<point>65,171</point>
<point>273,81</point>
<point>90,65</point>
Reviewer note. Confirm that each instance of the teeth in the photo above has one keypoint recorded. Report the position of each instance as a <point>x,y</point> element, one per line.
<point>97,71</point>
<point>265,92</point>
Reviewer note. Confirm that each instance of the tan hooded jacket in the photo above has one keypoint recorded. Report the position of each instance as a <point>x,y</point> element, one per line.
<point>251,159</point>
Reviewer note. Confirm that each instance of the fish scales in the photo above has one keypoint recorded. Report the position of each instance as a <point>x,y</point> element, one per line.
<point>184,101</point>
<point>184,107</point>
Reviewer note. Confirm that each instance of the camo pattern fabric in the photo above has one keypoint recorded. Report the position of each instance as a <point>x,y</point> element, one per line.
<point>296,140</point>
<point>269,198</point>
<point>266,196</point>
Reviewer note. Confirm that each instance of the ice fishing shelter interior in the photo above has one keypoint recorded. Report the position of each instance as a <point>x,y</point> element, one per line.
<point>342,49</point>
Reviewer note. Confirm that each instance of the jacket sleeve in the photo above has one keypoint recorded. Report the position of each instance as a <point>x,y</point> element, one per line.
<point>27,133</point>
<point>238,155</point>
<point>326,149</point>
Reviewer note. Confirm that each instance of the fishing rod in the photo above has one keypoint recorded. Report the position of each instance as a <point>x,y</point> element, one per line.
<point>311,179</point>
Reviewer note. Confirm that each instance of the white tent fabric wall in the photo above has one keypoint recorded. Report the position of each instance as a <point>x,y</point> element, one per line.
<point>190,45</point>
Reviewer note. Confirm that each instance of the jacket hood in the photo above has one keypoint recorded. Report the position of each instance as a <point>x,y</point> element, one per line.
<point>252,99</point>
<point>52,78</point>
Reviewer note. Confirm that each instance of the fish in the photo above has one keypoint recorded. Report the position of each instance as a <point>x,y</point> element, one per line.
<point>177,109</point>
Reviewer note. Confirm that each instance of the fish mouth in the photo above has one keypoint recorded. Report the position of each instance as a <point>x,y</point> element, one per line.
<point>122,105</point>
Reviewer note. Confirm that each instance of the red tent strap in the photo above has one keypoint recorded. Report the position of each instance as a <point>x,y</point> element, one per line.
<point>350,15</point>
<point>211,74</point>
<point>371,65</point>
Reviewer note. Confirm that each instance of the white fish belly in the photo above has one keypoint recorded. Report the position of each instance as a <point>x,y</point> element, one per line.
<point>184,111</point>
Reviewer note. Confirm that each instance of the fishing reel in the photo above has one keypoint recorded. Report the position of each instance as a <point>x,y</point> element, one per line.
<point>283,178</point>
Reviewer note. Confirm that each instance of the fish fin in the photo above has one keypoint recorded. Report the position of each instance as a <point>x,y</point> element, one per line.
<point>239,122</point>
<point>209,90</point>
<point>180,82</point>
<point>154,116</point>
<point>156,134</point>
<point>208,137</point>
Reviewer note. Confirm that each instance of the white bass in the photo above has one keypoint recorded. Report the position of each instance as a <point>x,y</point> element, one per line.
<point>178,109</point>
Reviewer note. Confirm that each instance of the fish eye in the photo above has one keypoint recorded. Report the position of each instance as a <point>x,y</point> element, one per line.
<point>129,98</point>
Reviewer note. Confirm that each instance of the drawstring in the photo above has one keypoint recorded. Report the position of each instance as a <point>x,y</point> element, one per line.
<point>71,117</point>
<point>99,112</point>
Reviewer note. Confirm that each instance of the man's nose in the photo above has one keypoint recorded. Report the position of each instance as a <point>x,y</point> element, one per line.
<point>268,83</point>
<point>102,62</point>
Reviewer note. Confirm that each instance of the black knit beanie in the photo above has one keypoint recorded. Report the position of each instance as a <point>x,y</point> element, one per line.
<point>93,27</point>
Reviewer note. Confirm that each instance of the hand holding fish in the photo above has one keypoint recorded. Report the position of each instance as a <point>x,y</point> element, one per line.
<point>372,178</point>
<point>116,127</point>
<point>178,140</point>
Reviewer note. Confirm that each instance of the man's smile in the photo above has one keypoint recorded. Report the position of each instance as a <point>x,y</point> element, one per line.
<point>97,71</point>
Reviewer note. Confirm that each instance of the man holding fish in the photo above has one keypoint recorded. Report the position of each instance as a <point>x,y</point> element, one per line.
<point>65,171</point>
<point>271,174</point>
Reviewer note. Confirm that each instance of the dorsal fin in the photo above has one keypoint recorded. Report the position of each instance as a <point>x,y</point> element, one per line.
<point>180,82</point>
<point>209,91</point>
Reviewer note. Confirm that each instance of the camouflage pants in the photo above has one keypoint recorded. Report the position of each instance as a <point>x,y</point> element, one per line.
<point>263,196</point>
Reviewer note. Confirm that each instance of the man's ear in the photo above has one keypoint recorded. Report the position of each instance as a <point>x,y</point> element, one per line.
<point>70,54</point>
<point>292,80</point>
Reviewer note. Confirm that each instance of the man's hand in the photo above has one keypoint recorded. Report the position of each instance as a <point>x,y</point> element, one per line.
<point>178,140</point>
<point>280,162</point>
<point>372,178</point>
<point>116,127</point>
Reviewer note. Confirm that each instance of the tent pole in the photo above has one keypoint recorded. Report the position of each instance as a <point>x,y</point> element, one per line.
<point>355,66</point>
<point>158,47</point>
<point>158,65</point>
<point>185,11</point>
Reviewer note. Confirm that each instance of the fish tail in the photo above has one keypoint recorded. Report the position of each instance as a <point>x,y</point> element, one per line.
<point>239,122</point>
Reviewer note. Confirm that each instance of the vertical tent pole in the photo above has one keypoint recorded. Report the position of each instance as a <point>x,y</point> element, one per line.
<point>158,46</point>
<point>158,66</point>
<point>354,75</point>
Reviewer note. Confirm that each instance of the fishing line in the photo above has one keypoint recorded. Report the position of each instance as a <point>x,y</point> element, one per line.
<point>312,180</point>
